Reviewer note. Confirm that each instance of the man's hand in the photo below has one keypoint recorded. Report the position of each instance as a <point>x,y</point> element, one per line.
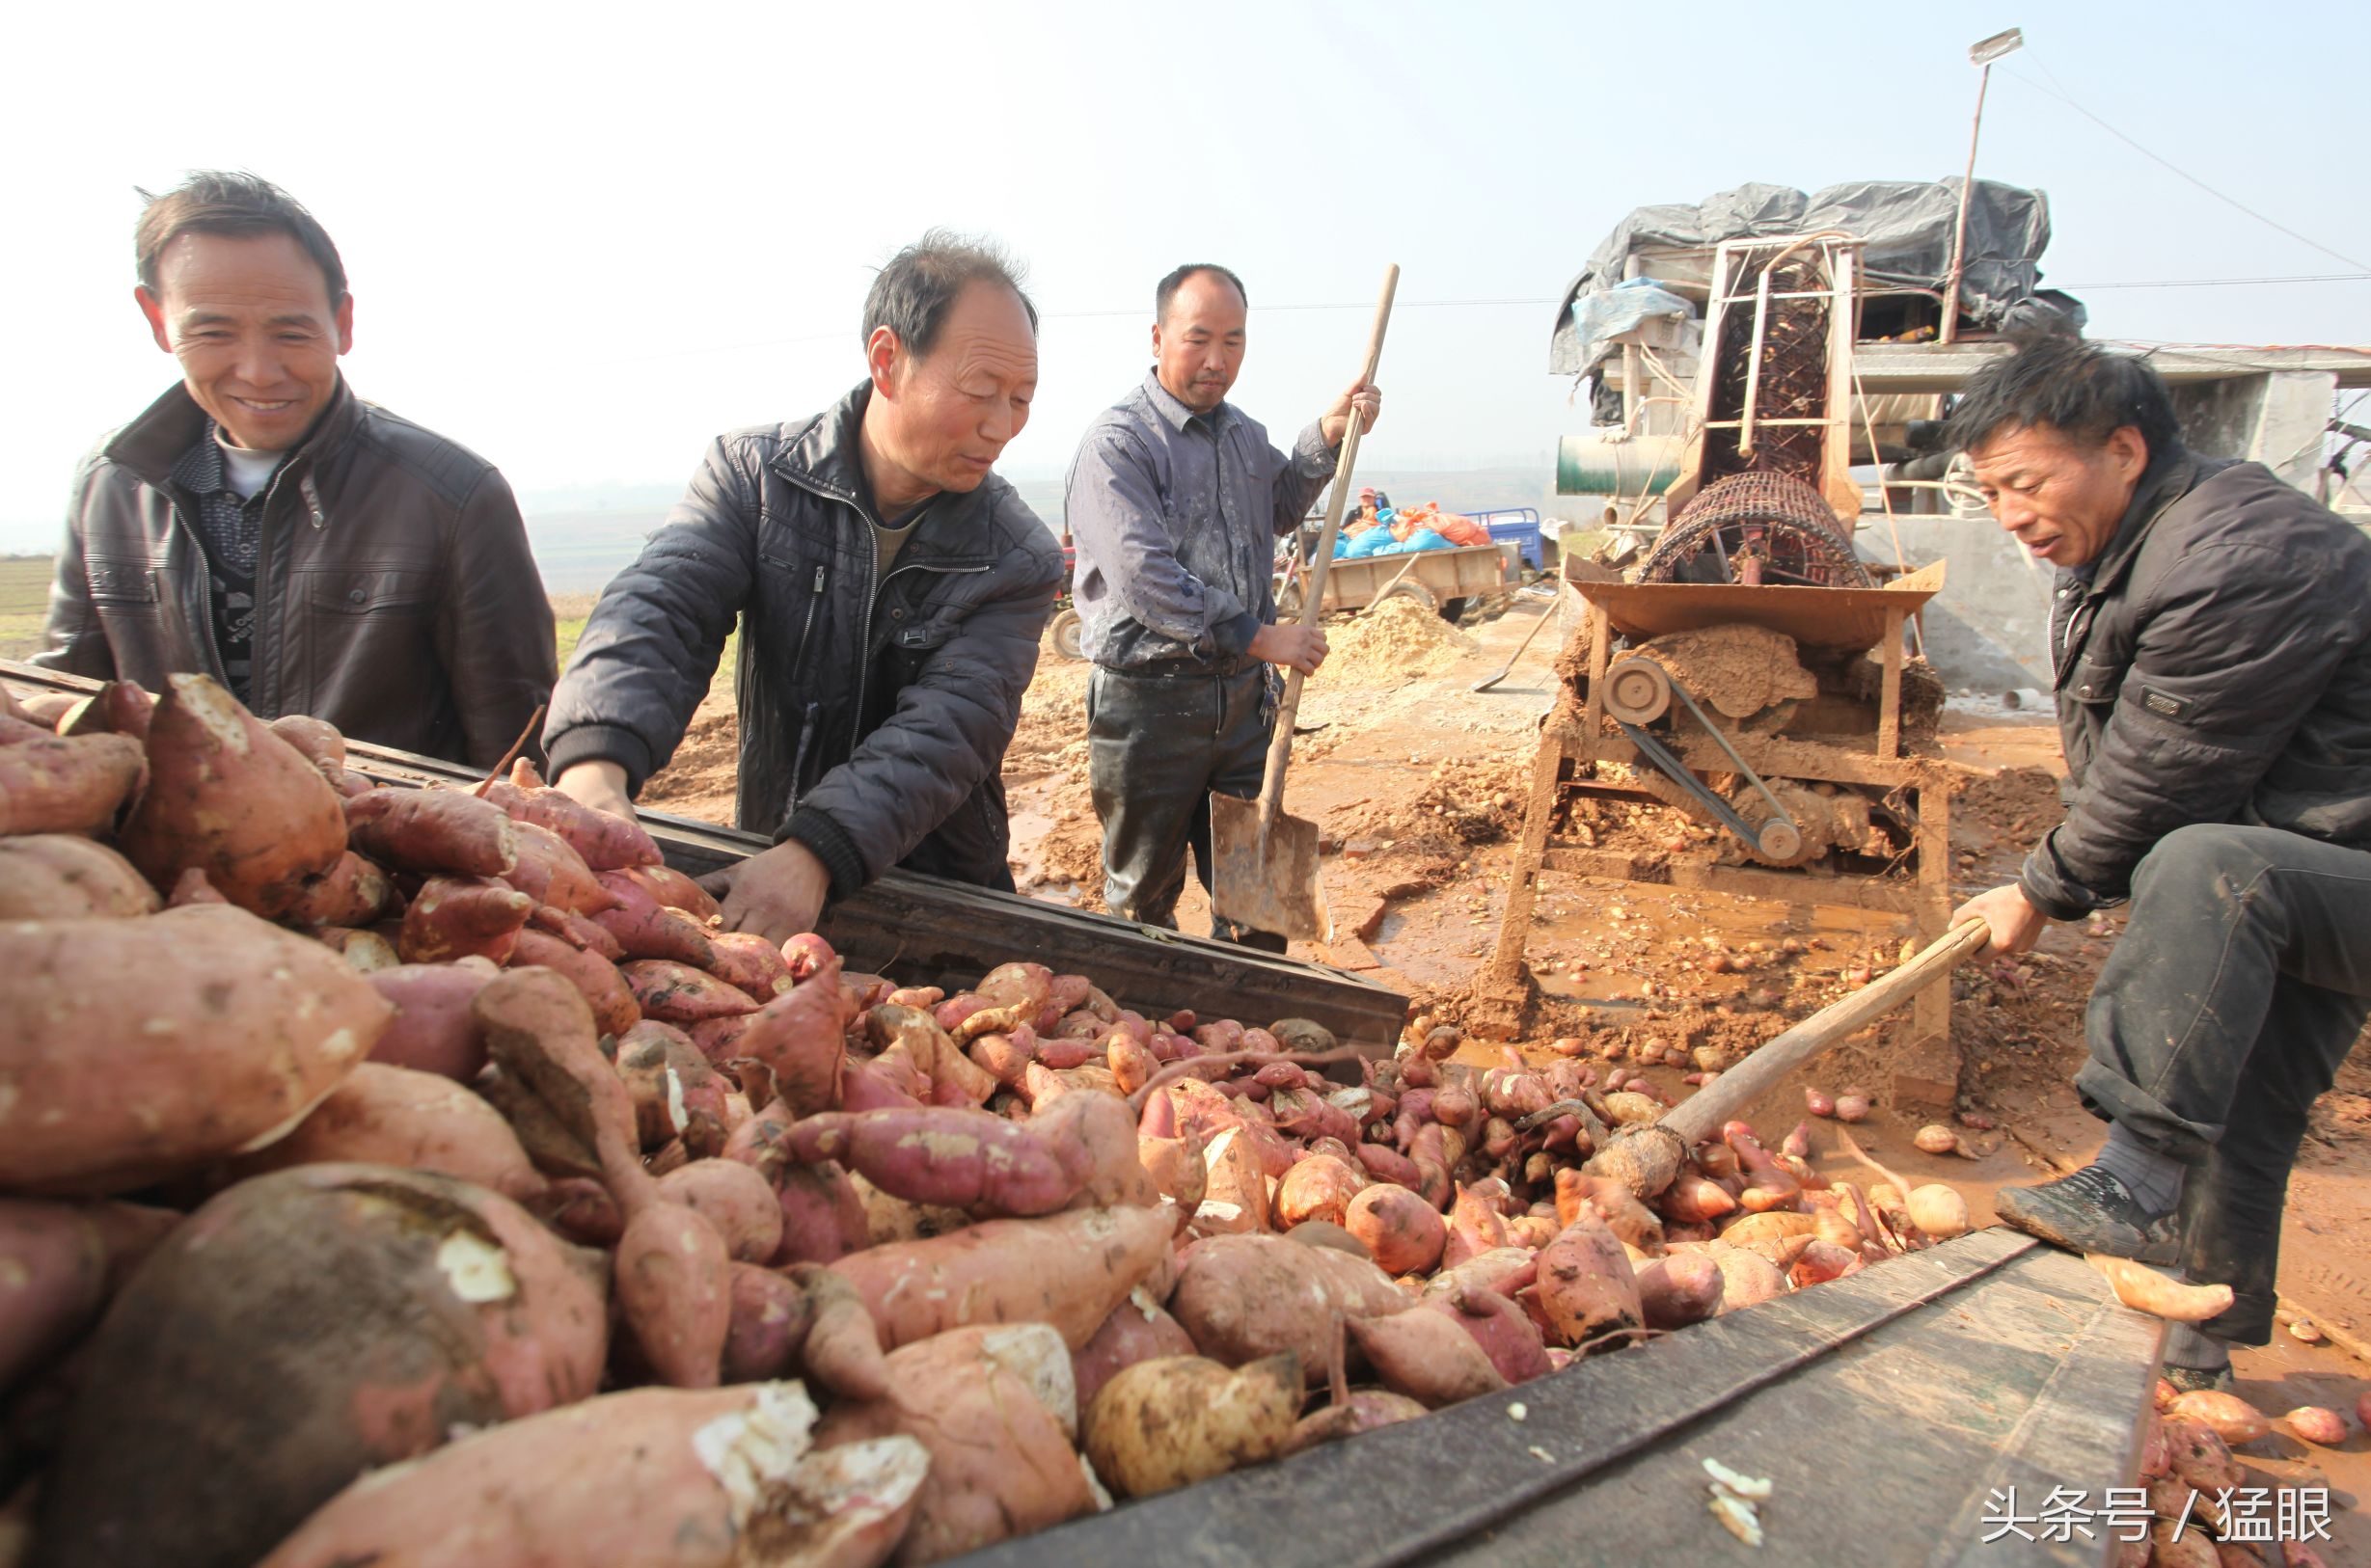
<point>2016,925</point>
<point>1335,422</point>
<point>776,895</point>
<point>1294,647</point>
<point>600,785</point>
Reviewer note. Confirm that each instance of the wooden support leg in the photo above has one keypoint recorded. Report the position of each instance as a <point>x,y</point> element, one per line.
<point>1503,974</point>
<point>1927,1072</point>
<point>1890,689</point>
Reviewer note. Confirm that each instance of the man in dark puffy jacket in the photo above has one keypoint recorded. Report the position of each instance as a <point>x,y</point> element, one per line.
<point>891,591</point>
<point>263,525</point>
<point>2212,639</point>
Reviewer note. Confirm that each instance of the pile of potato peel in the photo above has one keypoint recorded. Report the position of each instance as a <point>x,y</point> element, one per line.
<point>423,1176</point>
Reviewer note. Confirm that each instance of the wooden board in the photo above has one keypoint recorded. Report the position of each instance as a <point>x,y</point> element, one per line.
<point>1882,1407</point>
<point>1847,618</point>
<point>924,930</point>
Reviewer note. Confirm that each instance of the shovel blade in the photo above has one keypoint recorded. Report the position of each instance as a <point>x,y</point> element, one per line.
<point>1269,885</point>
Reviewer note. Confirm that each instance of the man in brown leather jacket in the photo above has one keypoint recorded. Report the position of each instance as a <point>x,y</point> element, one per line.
<point>263,525</point>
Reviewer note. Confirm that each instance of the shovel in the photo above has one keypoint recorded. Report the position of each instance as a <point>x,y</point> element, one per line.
<point>1508,669</point>
<point>1265,863</point>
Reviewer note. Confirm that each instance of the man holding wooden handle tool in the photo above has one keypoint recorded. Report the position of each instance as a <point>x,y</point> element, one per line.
<point>2212,651</point>
<point>1176,501</point>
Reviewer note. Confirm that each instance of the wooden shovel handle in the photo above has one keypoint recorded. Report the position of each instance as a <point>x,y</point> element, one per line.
<point>1701,1116</point>
<point>1313,606</point>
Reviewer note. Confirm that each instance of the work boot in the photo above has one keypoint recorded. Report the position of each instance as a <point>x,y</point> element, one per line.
<point>2090,1211</point>
<point>2199,1379</point>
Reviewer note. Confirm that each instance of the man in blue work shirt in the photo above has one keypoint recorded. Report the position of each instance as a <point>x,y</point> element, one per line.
<point>1174,502</point>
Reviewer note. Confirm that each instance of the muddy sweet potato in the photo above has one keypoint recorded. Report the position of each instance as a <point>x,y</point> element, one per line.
<point>646,929</point>
<point>1674,1291</point>
<point>1068,1270</point>
<point>383,1115</point>
<point>605,842</point>
<point>63,877</point>
<point>1506,1333</point>
<point>800,1038</point>
<point>433,1028</point>
<point>604,990</point>
<point>996,1409</point>
<point>722,1478</point>
<point>675,993</point>
<point>51,784</point>
<point>298,1329</point>
<point>1425,1355</point>
<point>1235,1195</point>
<point>434,832</point>
<point>117,708</point>
<point>1139,1329</point>
<point>1166,1423</point>
<point>1586,1286</point>
<point>735,1199</point>
<point>1402,1231</point>
<point>1246,1297</point>
<point>956,1158</point>
<point>751,964</point>
<point>60,1261</point>
<point>227,796</point>
<point>352,892</point>
<point>549,872</point>
<point>456,917</point>
<point>674,891</point>
<point>233,1031</point>
<point>1319,1187</point>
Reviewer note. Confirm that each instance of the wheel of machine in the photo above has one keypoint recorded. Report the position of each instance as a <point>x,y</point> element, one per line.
<point>1780,842</point>
<point>1638,690</point>
<point>1453,610</point>
<point>1068,634</point>
<point>1769,529</point>
<point>1410,588</point>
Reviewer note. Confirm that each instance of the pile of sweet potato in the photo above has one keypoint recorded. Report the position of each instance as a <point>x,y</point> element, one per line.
<point>423,1176</point>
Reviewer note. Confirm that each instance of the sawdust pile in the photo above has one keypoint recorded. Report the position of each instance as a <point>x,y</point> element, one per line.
<point>1395,641</point>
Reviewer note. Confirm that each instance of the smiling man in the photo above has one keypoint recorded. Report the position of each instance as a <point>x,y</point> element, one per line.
<point>1176,501</point>
<point>2212,637</point>
<point>891,591</point>
<point>263,525</point>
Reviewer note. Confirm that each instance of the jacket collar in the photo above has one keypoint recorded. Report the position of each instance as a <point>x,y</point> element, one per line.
<point>827,457</point>
<point>2167,480</point>
<point>149,448</point>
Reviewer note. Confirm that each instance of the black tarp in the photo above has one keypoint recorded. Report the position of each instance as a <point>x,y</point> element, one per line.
<point>1906,225</point>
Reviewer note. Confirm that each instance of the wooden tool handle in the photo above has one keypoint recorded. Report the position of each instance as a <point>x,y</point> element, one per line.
<point>1701,1116</point>
<point>1312,605</point>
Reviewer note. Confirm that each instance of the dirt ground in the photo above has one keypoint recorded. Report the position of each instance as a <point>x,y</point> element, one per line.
<point>1417,784</point>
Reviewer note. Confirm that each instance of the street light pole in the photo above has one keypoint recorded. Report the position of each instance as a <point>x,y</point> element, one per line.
<point>1981,54</point>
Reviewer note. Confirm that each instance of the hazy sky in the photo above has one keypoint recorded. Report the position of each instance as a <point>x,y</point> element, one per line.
<point>584,239</point>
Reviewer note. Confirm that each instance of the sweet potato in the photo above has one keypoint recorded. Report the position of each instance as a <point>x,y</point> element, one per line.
<point>1474,1227</point>
<point>433,1028</point>
<point>455,917</point>
<point>1166,1423</point>
<point>352,892</point>
<point>604,990</point>
<point>677,1095</point>
<point>1364,1411</point>
<point>674,1286</point>
<point>1674,1291</point>
<point>63,877</point>
<point>383,1115</point>
<point>1585,1284</point>
<point>1068,1270</point>
<point>843,1352</point>
<point>1426,1357</point>
<point>998,1413</point>
<point>1319,1187</point>
<point>435,833</point>
<point>1246,1297</point>
<point>735,1199</point>
<point>605,842</point>
<point>1402,1231</point>
<point>233,1031</point>
<point>60,1261</point>
<point>1175,1165</point>
<point>1747,1279</point>
<point>800,1037</point>
<point>2146,1290</point>
<point>50,784</point>
<point>549,872</point>
<point>823,1216</point>
<point>1579,1195</point>
<point>1100,1125</point>
<point>297,1329</point>
<point>1235,1195</point>
<point>1504,1272</point>
<point>577,931</point>
<point>677,994</point>
<point>227,796</point>
<point>1137,1330</point>
<point>669,888</point>
<point>957,1159</point>
<point>1504,1329</point>
<point>722,1478</point>
<point>769,1323</point>
<point>317,739</point>
<point>2226,1415</point>
<point>952,1079</point>
<point>751,964</point>
<point>117,708</point>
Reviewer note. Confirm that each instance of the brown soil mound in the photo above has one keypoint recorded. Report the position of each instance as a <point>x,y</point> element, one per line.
<point>1395,640</point>
<point>699,780</point>
<point>2017,806</point>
